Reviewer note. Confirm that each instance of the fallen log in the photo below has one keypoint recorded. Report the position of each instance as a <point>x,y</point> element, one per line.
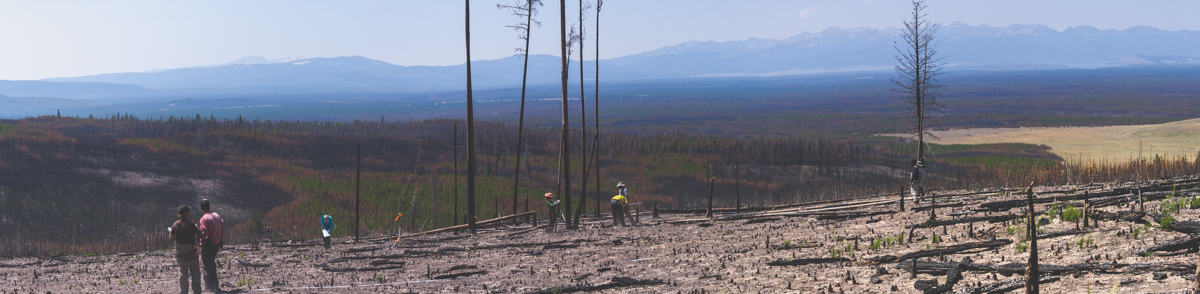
<point>466,226</point>
<point>805,261</point>
<point>1070,232</point>
<point>345,258</point>
<point>1181,268</point>
<point>1186,227</point>
<point>510,245</point>
<point>20,264</point>
<point>1176,244</point>
<point>687,221</point>
<point>949,222</point>
<point>944,205</point>
<point>379,262</point>
<point>560,246</point>
<point>615,282</point>
<point>295,245</point>
<point>761,220</point>
<point>1008,269</point>
<point>361,269</point>
<point>1103,215</point>
<point>952,277</point>
<point>364,249</point>
<point>1131,216</point>
<point>952,249</point>
<point>1006,285</point>
<point>243,262</point>
<point>852,215</point>
<point>456,275</point>
<point>1010,204</point>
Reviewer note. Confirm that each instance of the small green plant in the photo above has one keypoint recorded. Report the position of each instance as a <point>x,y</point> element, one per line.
<point>381,279</point>
<point>1072,214</point>
<point>727,232</point>
<point>937,238</point>
<point>245,281</point>
<point>1166,221</point>
<point>1011,229</point>
<point>835,253</point>
<point>1022,246</point>
<point>1086,241</point>
<point>900,238</point>
<point>1195,202</point>
<point>1053,211</point>
<point>1148,254</point>
<point>1136,231</point>
<point>875,244</point>
<point>787,243</point>
<point>1114,288</point>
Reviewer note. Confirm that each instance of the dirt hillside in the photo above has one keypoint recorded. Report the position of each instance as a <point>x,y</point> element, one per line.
<point>850,247</point>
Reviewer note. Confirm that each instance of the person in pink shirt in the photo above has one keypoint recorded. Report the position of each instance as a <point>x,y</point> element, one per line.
<point>212,233</point>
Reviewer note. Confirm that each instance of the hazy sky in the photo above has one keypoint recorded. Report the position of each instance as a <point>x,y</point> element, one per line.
<point>62,38</point>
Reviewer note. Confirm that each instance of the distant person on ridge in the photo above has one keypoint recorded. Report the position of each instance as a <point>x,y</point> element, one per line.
<point>326,229</point>
<point>917,179</point>
<point>618,204</point>
<point>185,234</point>
<point>212,229</point>
<point>552,208</point>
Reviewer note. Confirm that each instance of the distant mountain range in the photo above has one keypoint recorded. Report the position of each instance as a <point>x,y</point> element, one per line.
<point>831,50</point>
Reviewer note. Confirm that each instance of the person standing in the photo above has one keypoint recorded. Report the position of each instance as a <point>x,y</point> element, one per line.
<point>552,209</point>
<point>916,179</point>
<point>327,229</point>
<point>618,204</point>
<point>185,234</point>
<point>212,230</point>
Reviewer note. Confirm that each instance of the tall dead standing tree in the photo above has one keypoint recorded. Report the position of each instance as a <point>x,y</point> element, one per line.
<point>523,29</point>
<point>596,109</point>
<point>470,130</point>
<point>583,7</point>
<point>918,72</point>
<point>565,157</point>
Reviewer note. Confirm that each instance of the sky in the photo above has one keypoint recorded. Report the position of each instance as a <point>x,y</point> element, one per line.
<point>66,38</point>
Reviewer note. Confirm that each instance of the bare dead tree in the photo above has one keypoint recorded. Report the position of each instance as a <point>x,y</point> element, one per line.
<point>918,72</point>
<point>583,7</point>
<point>470,130</point>
<point>596,108</point>
<point>523,29</point>
<point>565,158</point>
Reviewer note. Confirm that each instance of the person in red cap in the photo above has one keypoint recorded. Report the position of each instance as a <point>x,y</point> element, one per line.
<point>552,208</point>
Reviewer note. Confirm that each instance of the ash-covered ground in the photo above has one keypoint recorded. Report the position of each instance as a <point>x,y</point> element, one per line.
<point>691,253</point>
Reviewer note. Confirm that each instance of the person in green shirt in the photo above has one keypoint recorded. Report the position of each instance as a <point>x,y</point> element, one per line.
<point>552,209</point>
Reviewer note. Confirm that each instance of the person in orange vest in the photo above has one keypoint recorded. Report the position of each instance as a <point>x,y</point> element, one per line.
<point>618,204</point>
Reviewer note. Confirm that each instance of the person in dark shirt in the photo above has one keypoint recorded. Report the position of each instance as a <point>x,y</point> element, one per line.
<point>185,234</point>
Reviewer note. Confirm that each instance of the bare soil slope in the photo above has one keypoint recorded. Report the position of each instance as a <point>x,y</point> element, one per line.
<point>744,253</point>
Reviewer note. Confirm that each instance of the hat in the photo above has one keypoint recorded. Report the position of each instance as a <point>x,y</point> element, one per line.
<point>620,184</point>
<point>549,195</point>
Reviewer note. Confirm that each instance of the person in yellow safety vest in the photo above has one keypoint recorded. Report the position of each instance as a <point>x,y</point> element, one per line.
<point>618,204</point>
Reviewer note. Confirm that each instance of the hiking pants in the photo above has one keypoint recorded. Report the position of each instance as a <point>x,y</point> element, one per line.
<point>618,212</point>
<point>189,267</point>
<point>208,255</point>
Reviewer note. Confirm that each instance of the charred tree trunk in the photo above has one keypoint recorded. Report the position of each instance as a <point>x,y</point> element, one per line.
<point>470,130</point>
<point>1031,275</point>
